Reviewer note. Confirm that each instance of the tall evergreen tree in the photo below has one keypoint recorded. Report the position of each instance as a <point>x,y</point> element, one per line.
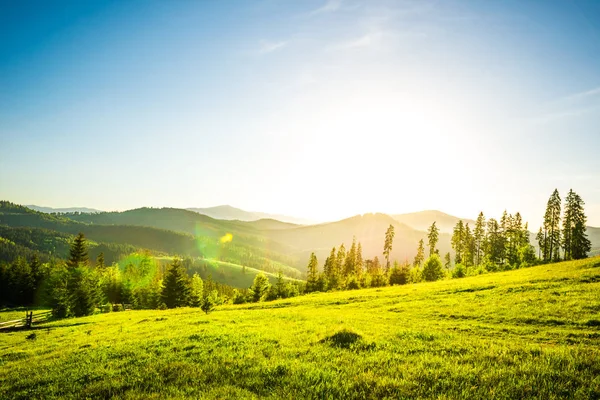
<point>100,261</point>
<point>447,261</point>
<point>495,242</point>
<point>331,271</point>
<point>420,257</point>
<point>359,263</point>
<point>350,262</point>
<point>387,245</point>
<point>575,243</point>
<point>433,236</point>
<point>468,248</point>
<point>312,274</point>
<point>552,227</point>
<point>176,286</point>
<point>457,241</point>
<point>78,254</point>
<point>479,238</point>
<point>540,238</point>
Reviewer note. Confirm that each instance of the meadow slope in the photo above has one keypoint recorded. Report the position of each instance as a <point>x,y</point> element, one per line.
<point>529,333</point>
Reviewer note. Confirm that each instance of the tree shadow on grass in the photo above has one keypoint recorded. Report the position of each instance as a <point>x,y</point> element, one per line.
<point>42,326</point>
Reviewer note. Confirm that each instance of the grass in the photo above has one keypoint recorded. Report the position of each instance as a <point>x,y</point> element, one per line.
<point>530,333</point>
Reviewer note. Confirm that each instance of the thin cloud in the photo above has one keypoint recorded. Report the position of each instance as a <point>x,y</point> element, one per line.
<point>329,6</point>
<point>583,95</point>
<point>367,40</point>
<point>269,47</point>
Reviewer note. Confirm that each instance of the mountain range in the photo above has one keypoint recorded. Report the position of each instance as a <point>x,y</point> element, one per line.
<point>265,244</point>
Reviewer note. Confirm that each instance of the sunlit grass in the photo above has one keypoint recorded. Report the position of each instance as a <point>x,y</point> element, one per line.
<point>530,333</point>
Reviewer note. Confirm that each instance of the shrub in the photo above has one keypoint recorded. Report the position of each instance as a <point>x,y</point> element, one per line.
<point>459,271</point>
<point>433,269</point>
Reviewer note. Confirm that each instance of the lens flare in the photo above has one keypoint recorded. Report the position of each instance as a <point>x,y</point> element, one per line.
<point>228,237</point>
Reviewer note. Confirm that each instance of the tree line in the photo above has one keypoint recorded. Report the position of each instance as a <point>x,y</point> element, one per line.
<point>489,246</point>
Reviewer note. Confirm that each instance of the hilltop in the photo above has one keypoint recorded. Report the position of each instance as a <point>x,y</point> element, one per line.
<point>528,333</point>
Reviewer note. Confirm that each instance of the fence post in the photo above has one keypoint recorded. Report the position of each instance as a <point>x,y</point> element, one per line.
<point>28,319</point>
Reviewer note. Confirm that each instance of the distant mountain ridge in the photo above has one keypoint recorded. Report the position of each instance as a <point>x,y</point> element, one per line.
<point>50,210</point>
<point>421,220</point>
<point>228,212</point>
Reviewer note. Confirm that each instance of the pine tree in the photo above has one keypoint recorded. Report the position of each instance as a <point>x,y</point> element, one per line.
<point>259,287</point>
<point>196,291</point>
<point>349,264</point>
<point>541,242</point>
<point>331,271</point>
<point>575,242</point>
<point>387,246</point>
<point>447,261</point>
<point>420,257</point>
<point>467,247</point>
<point>495,242</point>
<point>457,242</point>
<point>312,274</point>
<point>100,261</point>
<point>479,238</point>
<point>433,236</point>
<point>551,227</point>
<point>176,287</point>
<point>78,254</point>
<point>359,263</point>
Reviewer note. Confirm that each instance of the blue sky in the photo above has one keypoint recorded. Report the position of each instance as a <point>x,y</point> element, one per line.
<point>318,109</point>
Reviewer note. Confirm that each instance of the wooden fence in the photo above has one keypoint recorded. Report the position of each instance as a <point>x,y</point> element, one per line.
<point>26,322</point>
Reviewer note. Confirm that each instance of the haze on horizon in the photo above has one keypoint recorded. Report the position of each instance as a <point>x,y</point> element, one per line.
<point>314,109</point>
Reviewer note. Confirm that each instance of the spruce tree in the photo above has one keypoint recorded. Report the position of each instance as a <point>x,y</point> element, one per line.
<point>312,274</point>
<point>457,241</point>
<point>576,245</point>
<point>479,238</point>
<point>176,286</point>
<point>387,245</point>
<point>447,261</point>
<point>420,257</point>
<point>433,236</point>
<point>552,227</point>
<point>100,261</point>
<point>359,263</point>
<point>78,254</point>
<point>349,267</point>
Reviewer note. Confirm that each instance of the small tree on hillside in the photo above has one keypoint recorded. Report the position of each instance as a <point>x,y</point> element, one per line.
<point>312,274</point>
<point>260,287</point>
<point>78,254</point>
<point>433,269</point>
<point>196,291</point>
<point>420,257</point>
<point>387,246</point>
<point>433,236</point>
<point>176,287</point>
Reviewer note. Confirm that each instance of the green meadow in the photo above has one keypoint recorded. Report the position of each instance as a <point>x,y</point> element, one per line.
<point>528,333</point>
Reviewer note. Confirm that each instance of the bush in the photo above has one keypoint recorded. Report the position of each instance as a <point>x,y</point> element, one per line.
<point>352,283</point>
<point>433,269</point>
<point>459,271</point>
<point>400,275</point>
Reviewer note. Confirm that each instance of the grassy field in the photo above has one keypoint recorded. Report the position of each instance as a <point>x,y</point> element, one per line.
<point>530,333</point>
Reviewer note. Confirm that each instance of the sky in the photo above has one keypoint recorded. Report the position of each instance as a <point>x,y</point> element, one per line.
<point>315,109</point>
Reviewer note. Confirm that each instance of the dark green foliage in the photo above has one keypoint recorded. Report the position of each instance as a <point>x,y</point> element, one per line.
<point>83,290</point>
<point>433,236</point>
<point>575,243</point>
<point>400,275</point>
<point>312,274</point>
<point>176,287</point>
<point>433,269</point>
<point>78,255</point>
<point>551,228</point>
<point>459,271</point>
<point>259,288</point>
<point>420,257</point>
